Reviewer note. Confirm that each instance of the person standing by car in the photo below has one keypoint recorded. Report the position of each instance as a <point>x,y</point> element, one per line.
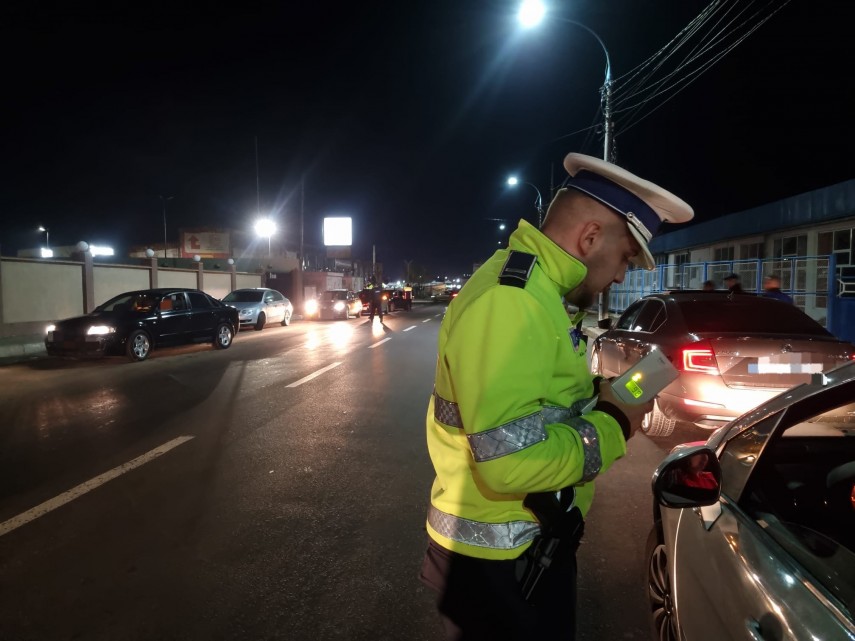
<point>772,289</point>
<point>516,415</point>
<point>731,281</point>
<point>376,293</point>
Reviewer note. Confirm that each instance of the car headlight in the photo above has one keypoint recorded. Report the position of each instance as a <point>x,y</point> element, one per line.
<point>246,312</point>
<point>339,306</point>
<point>98,330</point>
<point>311,306</point>
<point>50,328</point>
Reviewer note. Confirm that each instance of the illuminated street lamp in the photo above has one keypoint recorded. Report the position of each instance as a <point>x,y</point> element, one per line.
<point>513,181</point>
<point>265,227</point>
<point>46,251</point>
<point>532,13</point>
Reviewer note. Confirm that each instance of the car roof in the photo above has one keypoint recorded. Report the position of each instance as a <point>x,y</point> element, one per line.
<point>160,291</point>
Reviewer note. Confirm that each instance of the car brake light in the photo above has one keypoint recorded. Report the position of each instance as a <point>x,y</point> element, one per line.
<point>699,357</point>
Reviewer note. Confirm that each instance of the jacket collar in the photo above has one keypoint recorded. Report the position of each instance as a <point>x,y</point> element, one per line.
<point>562,269</point>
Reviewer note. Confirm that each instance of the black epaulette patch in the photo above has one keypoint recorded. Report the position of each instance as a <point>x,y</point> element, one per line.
<point>517,269</point>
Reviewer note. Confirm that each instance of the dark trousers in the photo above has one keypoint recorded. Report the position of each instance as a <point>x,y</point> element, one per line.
<point>379,307</point>
<point>481,600</point>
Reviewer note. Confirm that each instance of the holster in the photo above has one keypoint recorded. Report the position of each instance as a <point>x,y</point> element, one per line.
<point>561,532</point>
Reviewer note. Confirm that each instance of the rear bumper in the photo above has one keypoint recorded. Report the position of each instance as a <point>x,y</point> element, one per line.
<point>727,404</point>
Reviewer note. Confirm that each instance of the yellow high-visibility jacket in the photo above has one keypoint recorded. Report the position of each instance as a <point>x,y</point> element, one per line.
<point>504,419</point>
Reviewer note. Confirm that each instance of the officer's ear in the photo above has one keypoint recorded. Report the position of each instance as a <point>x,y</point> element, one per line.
<point>591,234</point>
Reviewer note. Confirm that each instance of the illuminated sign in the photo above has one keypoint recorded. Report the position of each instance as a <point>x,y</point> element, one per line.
<point>338,231</point>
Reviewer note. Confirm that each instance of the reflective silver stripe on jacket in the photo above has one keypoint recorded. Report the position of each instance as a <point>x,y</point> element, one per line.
<point>498,536</point>
<point>446,412</point>
<point>591,446</point>
<point>508,438</point>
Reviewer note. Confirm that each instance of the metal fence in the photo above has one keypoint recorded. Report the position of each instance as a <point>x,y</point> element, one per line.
<point>806,279</point>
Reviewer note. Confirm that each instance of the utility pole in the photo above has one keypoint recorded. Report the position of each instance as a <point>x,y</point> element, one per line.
<point>608,156</point>
<point>163,201</point>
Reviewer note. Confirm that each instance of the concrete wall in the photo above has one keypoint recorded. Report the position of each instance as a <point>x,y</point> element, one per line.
<point>218,284</point>
<point>110,280</point>
<point>177,278</point>
<point>246,281</point>
<point>34,292</point>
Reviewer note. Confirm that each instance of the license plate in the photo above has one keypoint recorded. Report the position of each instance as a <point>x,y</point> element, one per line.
<point>785,364</point>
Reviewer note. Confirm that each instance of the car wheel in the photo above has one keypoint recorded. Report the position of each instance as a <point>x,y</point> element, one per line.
<point>138,346</point>
<point>259,323</point>
<point>655,423</point>
<point>659,596</point>
<point>287,320</point>
<point>223,336</point>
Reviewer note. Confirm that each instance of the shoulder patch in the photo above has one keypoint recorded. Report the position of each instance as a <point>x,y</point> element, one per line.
<point>517,269</point>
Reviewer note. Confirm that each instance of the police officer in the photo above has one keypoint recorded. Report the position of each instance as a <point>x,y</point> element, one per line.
<point>510,422</point>
<point>376,293</point>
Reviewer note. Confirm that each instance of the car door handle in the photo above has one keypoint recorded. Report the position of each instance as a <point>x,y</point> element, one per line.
<point>754,632</point>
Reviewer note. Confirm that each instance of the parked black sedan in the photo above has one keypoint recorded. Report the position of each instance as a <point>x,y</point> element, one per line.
<point>135,322</point>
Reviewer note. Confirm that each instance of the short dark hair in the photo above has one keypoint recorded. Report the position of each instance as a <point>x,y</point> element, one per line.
<point>731,277</point>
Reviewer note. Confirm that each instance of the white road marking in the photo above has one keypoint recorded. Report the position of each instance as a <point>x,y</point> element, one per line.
<point>379,343</point>
<point>306,379</point>
<point>88,486</point>
<point>426,320</point>
<point>411,327</point>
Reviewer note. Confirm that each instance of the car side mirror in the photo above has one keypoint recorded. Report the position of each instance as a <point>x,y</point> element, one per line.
<point>605,323</point>
<point>688,477</point>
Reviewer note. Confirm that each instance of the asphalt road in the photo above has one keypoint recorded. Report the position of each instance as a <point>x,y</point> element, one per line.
<point>275,490</point>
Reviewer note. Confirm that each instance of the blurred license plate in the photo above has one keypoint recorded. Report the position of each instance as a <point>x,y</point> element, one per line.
<point>785,364</point>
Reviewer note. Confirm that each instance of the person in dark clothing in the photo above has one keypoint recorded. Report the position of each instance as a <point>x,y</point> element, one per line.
<point>709,286</point>
<point>731,281</point>
<point>376,299</point>
<point>772,289</point>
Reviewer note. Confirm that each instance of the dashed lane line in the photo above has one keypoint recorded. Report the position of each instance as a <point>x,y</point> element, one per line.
<point>373,345</point>
<point>88,486</point>
<point>411,327</point>
<point>427,320</point>
<point>306,379</point>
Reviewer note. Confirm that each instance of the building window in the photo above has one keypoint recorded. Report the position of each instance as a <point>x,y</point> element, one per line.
<point>751,250</point>
<point>723,253</point>
<point>790,246</point>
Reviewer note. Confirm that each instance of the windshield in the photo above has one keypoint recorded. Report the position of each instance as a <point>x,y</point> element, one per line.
<point>139,302</point>
<point>749,316</point>
<point>334,295</point>
<point>244,296</point>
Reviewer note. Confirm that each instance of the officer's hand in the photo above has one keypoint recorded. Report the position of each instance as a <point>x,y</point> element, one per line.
<point>634,412</point>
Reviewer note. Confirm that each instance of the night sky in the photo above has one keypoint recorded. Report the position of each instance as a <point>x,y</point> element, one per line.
<point>407,116</point>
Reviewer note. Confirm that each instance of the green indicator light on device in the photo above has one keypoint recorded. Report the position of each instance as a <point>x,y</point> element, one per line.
<point>633,388</point>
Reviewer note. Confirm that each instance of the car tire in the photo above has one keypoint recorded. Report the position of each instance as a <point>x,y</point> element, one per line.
<point>259,323</point>
<point>287,320</point>
<point>655,423</point>
<point>224,336</point>
<point>138,345</point>
<point>660,598</point>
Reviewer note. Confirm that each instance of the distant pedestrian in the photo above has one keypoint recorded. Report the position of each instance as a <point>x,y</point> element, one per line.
<point>731,281</point>
<point>376,299</point>
<point>709,286</point>
<point>772,289</point>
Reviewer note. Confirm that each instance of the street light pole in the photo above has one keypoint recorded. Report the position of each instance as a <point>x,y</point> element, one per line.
<point>163,201</point>
<point>47,235</point>
<point>513,182</point>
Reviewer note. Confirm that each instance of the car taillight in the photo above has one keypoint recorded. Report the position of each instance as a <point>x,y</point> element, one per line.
<point>698,357</point>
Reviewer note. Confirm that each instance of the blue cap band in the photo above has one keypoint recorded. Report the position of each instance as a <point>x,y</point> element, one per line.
<point>621,200</point>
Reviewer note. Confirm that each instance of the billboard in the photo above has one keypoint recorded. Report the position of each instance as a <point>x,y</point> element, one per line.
<point>206,243</point>
<point>338,231</point>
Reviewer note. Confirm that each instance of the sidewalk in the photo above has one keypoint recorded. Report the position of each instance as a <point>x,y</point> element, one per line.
<point>15,348</point>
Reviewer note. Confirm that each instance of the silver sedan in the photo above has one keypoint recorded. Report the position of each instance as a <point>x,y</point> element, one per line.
<point>754,534</point>
<point>258,306</point>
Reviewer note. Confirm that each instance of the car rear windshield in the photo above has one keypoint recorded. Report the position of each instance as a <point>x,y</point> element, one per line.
<point>748,315</point>
<point>245,296</point>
